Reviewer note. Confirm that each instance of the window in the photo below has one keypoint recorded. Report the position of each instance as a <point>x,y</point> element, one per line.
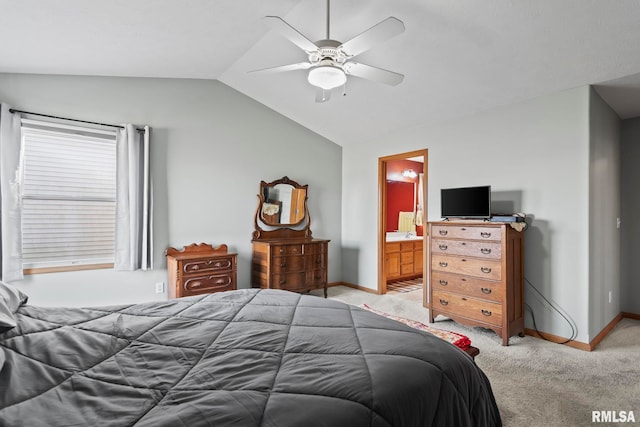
<point>68,197</point>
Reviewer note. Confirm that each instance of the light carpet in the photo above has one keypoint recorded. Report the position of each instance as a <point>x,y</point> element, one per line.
<point>536,382</point>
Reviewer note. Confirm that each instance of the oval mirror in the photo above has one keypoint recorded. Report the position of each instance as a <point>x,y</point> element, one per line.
<point>283,203</point>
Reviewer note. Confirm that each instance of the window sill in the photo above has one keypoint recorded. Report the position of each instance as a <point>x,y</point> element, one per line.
<point>42,270</point>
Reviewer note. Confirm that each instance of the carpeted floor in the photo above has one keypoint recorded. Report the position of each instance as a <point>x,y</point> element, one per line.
<point>535,382</point>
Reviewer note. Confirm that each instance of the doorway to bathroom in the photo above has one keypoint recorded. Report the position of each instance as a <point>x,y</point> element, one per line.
<point>402,213</point>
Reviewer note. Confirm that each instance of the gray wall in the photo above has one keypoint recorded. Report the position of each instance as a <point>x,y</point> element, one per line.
<point>534,154</point>
<point>630,206</point>
<point>604,211</point>
<point>211,147</point>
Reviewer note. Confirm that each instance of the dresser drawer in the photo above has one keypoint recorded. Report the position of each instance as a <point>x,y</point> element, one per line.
<point>287,263</point>
<point>483,311</point>
<point>467,285</point>
<point>289,281</point>
<point>317,277</point>
<point>207,264</point>
<point>195,285</point>
<point>280,250</point>
<point>316,260</point>
<point>470,232</point>
<point>482,268</point>
<point>489,249</point>
<point>313,248</point>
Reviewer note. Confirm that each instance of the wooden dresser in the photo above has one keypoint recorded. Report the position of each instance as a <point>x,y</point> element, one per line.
<point>476,275</point>
<point>285,256</point>
<point>297,265</point>
<point>200,269</point>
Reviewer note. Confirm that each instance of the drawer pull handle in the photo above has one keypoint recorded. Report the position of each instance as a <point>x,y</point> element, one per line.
<point>486,312</point>
<point>485,234</point>
<point>283,281</point>
<point>196,284</point>
<point>443,247</point>
<point>281,250</point>
<point>485,251</point>
<point>443,264</point>
<point>209,261</point>
<point>443,282</point>
<point>485,270</point>
<point>283,265</point>
<point>444,302</point>
<point>195,267</point>
<point>443,232</point>
<point>485,290</point>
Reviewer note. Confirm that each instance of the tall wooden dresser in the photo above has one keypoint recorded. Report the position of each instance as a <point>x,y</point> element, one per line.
<point>476,275</point>
<point>200,269</point>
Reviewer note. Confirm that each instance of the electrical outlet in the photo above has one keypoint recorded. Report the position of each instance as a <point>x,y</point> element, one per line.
<point>159,287</point>
<point>618,222</point>
<point>609,297</point>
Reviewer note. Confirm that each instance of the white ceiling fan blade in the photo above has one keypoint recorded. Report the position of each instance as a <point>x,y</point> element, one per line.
<point>373,73</point>
<point>380,32</point>
<point>294,36</point>
<point>322,95</point>
<point>282,68</point>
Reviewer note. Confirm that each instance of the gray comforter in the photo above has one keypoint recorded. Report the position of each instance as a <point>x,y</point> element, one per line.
<point>241,358</point>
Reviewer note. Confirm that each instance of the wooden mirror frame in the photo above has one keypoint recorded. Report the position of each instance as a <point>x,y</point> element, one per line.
<point>266,231</point>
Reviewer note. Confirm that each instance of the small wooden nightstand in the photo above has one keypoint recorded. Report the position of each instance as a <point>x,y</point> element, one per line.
<point>200,269</point>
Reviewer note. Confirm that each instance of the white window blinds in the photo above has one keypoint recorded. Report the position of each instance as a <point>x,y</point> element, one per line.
<point>68,197</point>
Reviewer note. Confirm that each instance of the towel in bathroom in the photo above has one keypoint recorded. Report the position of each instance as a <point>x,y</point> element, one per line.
<point>406,221</point>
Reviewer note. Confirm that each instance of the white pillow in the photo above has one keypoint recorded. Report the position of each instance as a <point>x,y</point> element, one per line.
<point>10,300</point>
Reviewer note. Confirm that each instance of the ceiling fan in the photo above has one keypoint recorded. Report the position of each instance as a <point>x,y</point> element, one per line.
<point>330,61</point>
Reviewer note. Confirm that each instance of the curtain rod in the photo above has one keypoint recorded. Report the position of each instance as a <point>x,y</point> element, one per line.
<point>13,110</point>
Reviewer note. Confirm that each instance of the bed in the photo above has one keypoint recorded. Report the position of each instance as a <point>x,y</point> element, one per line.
<point>240,358</point>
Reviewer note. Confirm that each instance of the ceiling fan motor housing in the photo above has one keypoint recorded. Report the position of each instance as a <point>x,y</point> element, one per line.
<point>327,50</point>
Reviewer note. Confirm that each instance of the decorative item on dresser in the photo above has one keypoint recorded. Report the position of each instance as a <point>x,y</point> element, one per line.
<point>476,275</point>
<point>200,269</point>
<point>285,256</point>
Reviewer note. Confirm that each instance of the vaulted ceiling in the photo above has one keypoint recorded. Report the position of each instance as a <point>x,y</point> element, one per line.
<point>458,57</point>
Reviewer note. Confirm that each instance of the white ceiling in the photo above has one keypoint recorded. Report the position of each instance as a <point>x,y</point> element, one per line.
<point>458,57</point>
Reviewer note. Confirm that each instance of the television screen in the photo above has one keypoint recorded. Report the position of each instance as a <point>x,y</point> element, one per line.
<point>466,202</point>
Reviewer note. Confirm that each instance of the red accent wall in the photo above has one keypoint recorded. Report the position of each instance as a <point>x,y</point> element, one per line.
<point>400,190</point>
<point>399,198</point>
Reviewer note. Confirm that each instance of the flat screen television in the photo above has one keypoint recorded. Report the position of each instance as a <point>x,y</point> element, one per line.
<point>466,202</point>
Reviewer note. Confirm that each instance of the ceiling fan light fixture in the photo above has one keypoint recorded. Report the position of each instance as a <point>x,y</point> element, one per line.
<point>327,77</point>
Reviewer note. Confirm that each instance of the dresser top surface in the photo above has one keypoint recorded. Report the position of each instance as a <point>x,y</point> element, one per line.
<point>188,256</point>
<point>289,241</point>
<point>469,223</point>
